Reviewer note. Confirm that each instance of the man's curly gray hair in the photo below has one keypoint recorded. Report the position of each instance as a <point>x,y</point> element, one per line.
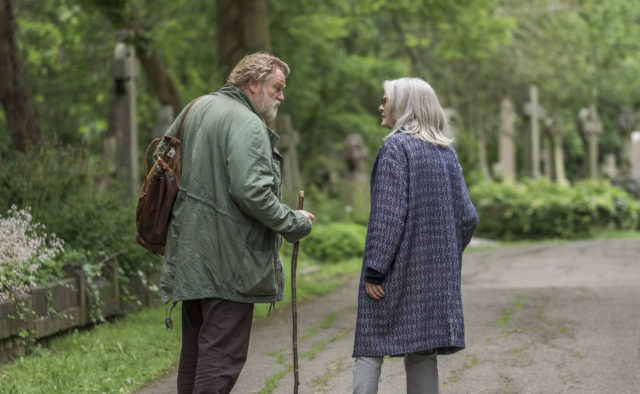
<point>255,67</point>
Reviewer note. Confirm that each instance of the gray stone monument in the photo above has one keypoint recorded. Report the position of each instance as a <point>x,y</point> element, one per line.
<point>635,155</point>
<point>609,167</point>
<point>532,143</point>
<point>356,181</point>
<point>288,145</point>
<point>591,129</point>
<point>556,162</point>
<point>452,125</point>
<point>355,154</point>
<point>164,119</point>
<point>125,72</point>
<point>506,169</point>
<point>626,124</point>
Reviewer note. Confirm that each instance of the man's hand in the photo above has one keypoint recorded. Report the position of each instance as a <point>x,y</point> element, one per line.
<point>374,291</point>
<point>309,215</point>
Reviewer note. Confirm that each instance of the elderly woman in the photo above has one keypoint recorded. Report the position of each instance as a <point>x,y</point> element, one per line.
<point>421,220</point>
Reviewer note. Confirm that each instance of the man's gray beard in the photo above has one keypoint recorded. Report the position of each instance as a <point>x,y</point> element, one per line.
<point>267,107</point>
<point>270,114</point>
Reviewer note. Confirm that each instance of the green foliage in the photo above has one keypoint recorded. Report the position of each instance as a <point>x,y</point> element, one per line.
<point>29,253</point>
<point>118,357</point>
<point>59,183</point>
<point>335,242</point>
<point>541,209</point>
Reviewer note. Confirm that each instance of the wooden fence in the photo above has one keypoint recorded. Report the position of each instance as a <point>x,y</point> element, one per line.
<point>65,304</point>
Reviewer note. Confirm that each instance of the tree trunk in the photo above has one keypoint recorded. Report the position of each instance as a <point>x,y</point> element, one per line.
<point>160,80</point>
<point>243,28</point>
<point>21,119</point>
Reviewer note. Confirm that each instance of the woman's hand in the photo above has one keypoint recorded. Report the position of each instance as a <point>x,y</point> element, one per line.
<point>374,291</point>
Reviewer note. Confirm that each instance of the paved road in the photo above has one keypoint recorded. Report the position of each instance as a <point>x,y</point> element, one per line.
<point>546,318</point>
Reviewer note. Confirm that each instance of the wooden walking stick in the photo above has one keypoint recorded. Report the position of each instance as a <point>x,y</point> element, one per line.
<point>294,310</point>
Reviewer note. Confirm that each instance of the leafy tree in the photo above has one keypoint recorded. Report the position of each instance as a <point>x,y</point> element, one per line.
<point>21,120</point>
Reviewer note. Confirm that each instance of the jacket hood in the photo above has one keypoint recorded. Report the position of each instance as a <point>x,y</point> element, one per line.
<point>239,95</point>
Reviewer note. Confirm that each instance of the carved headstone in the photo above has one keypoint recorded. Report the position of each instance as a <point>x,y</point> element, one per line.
<point>591,129</point>
<point>356,183</point>
<point>125,73</point>
<point>635,155</point>
<point>452,124</point>
<point>164,119</point>
<point>355,154</point>
<point>626,124</point>
<point>507,143</point>
<point>532,143</point>
<point>609,167</point>
<point>555,132</point>
<point>288,145</point>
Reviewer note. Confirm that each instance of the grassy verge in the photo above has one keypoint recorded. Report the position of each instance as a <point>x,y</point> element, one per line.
<point>117,357</point>
<point>607,234</point>
<point>126,354</point>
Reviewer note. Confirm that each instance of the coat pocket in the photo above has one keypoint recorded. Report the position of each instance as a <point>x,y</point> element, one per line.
<point>258,278</point>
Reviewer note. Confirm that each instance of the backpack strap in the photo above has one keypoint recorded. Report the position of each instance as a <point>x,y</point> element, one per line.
<point>184,116</point>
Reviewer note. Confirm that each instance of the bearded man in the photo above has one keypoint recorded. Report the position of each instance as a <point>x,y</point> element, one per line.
<point>222,249</point>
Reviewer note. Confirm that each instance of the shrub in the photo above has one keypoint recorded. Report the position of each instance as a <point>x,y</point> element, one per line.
<point>335,242</point>
<point>541,209</point>
<point>26,251</point>
<point>60,185</point>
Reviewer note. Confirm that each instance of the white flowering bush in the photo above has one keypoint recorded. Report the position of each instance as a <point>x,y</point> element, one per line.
<point>25,247</point>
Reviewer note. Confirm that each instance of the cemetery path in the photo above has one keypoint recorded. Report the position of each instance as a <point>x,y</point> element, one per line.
<point>545,318</point>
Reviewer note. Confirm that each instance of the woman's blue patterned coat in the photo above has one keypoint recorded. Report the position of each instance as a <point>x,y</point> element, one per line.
<point>420,222</point>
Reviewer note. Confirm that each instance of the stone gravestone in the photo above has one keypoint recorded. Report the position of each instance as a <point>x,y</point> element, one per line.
<point>288,146</point>
<point>164,119</point>
<point>506,168</point>
<point>609,167</point>
<point>556,163</point>
<point>356,182</point>
<point>452,124</point>
<point>626,124</point>
<point>591,129</point>
<point>635,155</point>
<point>125,73</point>
<point>532,144</point>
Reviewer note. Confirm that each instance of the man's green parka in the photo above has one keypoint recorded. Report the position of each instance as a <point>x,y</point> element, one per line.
<point>224,237</point>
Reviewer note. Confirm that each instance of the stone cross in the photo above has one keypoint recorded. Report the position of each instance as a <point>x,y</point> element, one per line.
<point>591,129</point>
<point>555,132</point>
<point>125,72</point>
<point>506,142</point>
<point>532,146</point>
<point>288,145</point>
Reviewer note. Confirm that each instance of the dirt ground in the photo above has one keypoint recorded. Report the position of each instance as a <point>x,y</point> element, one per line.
<point>545,318</point>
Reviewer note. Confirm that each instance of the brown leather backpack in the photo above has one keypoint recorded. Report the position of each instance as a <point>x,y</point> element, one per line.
<point>159,190</point>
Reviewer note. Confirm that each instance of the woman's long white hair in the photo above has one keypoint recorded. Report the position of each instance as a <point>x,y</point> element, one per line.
<point>416,108</point>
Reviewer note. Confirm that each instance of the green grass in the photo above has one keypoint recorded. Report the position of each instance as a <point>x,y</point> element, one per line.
<point>606,234</point>
<point>128,353</point>
<point>117,357</point>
